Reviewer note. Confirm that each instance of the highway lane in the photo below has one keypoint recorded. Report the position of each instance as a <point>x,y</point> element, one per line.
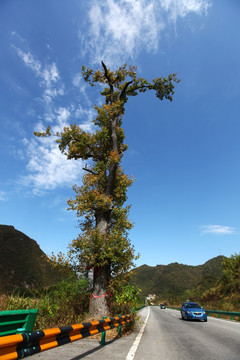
<point>165,337</point>
<point>168,337</point>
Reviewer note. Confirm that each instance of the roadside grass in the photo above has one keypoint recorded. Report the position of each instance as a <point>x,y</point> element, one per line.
<point>62,304</point>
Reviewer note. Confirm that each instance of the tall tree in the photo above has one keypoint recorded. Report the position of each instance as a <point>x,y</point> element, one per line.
<point>103,244</point>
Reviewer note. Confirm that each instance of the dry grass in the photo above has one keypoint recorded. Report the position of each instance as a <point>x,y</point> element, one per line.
<point>3,302</point>
<point>56,315</point>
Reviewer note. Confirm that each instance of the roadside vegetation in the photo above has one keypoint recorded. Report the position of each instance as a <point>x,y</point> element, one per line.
<point>61,304</point>
<point>66,302</point>
<point>214,293</point>
<point>226,294</point>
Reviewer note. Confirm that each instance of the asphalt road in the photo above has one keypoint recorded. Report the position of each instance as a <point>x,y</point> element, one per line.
<point>165,337</point>
<point>168,337</point>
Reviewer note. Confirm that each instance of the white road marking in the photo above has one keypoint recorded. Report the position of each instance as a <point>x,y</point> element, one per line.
<point>132,351</point>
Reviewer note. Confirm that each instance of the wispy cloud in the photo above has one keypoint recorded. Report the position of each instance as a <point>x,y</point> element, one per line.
<point>80,85</point>
<point>217,229</point>
<point>117,29</point>
<point>49,75</point>
<point>3,196</point>
<point>47,167</point>
<point>122,29</point>
<point>181,8</point>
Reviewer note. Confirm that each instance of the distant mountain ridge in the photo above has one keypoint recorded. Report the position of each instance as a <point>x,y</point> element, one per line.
<point>173,280</point>
<point>22,263</point>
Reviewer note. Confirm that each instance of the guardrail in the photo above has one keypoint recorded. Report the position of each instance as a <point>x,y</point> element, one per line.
<point>22,345</point>
<point>231,314</point>
<point>14,321</point>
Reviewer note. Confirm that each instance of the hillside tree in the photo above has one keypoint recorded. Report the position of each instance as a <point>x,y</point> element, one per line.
<point>103,244</point>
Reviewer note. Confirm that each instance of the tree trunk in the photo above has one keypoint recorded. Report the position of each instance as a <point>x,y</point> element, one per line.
<point>99,302</point>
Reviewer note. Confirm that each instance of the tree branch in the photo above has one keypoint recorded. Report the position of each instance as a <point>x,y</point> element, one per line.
<point>106,74</point>
<point>139,87</point>
<point>110,83</point>
<point>124,90</point>
<point>117,78</point>
<point>89,170</point>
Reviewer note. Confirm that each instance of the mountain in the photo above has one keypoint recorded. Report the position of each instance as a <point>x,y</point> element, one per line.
<point>22,263</point>
<point>174,279</point>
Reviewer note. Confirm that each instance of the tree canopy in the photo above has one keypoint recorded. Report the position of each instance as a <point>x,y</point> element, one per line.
<point>103,244</point>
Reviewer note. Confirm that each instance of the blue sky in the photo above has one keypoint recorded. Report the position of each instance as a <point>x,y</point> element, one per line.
<point>184,155</point>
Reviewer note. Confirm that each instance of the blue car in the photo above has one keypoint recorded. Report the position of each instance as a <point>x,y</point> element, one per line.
<point>193,311</point>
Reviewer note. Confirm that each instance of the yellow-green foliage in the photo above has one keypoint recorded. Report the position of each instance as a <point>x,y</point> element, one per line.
<point>226,294</point>
<point>64,303</point>
<point>103,244</point>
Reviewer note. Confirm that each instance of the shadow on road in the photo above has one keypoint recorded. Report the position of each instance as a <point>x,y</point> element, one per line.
<point>93,350</point>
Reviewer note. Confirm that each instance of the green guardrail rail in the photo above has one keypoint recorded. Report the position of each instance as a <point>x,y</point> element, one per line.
<point>17,321</point>
<point>220,313</point>
<point>231,314</point>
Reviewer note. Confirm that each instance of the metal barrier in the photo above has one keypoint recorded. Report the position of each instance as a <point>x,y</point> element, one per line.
<point>11,321</point>
<point>231,314</point>
<point>22,345</point>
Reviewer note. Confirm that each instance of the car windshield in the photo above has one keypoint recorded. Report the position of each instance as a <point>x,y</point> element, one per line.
<point>195,306</point>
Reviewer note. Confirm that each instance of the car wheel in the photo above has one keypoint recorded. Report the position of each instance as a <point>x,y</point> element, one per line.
<point>182,315</point>
<point>205,320</point>
<point>186,317</point>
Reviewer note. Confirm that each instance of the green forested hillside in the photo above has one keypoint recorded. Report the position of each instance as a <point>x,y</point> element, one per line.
<point>171,281</point>
<point>22,263</point>
<point>225,294</point>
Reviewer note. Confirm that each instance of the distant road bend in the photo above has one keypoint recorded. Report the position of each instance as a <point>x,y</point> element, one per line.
<point>164,336</point>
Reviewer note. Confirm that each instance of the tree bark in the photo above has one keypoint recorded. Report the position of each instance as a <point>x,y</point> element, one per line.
<point>99,302</point>
<point>99,305</point>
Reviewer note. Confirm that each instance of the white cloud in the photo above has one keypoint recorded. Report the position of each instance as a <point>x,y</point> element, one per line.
<point>29,61</point>
<point>78,81</point>
<point>3,196</point>
<point>47,168</point>
<point>217,229</point>
<point>16,152</point>
<point>49,76</point>
<point>181,8</point>
<point>80,85</point>
<point>121,29</point>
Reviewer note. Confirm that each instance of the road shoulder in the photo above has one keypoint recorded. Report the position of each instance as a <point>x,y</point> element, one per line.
<point>91,349</point>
